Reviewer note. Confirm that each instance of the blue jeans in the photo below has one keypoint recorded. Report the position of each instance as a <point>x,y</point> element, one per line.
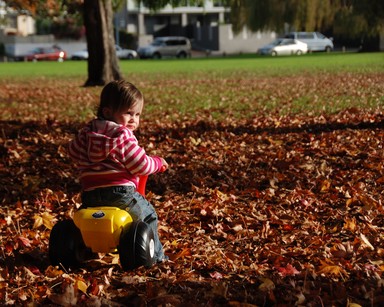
<point>126,198</point>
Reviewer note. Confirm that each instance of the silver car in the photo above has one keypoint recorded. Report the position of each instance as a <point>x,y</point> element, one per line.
<point>169,46</point>
<point>315,40</point>
<point>284,46</point>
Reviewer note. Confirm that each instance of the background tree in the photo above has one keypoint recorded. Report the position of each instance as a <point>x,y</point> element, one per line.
<point>103,65</point>
<point>343,17</point>
<point>282,15</point>
<point>35,6</point>
<point>364,18</point>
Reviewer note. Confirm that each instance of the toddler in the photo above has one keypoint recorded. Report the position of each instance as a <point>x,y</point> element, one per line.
<point>110,160</point>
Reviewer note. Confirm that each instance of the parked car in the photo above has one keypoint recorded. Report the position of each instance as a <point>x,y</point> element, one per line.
<point>168,46</point>
<point>80,55</point>
<point>53,53</point>
<point>315,40</point>
<point>284,46</point>
<point>125,53</point>
<point>120,52</point>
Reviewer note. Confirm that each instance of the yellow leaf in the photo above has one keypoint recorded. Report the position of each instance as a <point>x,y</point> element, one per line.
<point>350,224</point>
<point>53,272</point>
<point>175,243</point>
<point>325,185</point>
<point>194,141</point>
<point>267,285</point>
<point>48,220</point>
<point>45,219</point>
<point>237,228</point>
<point>366,242</point>
<point>331,269</point>
<point>38,221</point>
<point>220,195</point>
<point>380,252</point>
<point>115,258</point>
<point>82,286</point>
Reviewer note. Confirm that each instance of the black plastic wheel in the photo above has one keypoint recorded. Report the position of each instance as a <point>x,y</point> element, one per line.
<point>66,245</point>
<point>137,246</point>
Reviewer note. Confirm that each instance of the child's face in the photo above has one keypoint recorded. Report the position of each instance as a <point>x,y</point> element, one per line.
<point>129,118</point>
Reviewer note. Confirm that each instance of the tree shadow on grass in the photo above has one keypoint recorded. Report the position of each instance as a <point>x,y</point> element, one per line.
<point>219,175</point>
<point>315,128</point>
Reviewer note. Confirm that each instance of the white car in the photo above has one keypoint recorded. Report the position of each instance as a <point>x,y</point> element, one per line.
<point>125,53</point>
<point>284,46</point>
<point>120,52</point>
<point>80,55</point>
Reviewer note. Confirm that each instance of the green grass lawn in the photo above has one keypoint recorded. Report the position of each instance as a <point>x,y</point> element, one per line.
<point>258,65</point>
<point>215,87</point>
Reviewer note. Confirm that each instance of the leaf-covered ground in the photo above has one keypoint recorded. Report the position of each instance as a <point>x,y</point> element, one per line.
<point>267,210</point>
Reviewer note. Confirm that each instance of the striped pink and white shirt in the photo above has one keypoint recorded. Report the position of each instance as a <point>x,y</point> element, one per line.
<point>108,154</point>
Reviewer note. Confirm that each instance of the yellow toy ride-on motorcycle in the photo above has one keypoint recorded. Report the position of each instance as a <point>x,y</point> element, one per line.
<point>103,230</point>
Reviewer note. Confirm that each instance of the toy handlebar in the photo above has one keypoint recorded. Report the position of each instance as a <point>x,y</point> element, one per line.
<point>143,181</point>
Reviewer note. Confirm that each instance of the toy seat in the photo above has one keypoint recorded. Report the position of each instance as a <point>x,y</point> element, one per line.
<point>101,227</point>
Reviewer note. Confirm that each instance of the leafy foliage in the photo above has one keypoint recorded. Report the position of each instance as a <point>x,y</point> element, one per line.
<point>43,8</point>
<point>350,18</point>
<point>260,208</point>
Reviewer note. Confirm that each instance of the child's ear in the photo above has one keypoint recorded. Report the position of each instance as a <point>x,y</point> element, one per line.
<point>107,113</point>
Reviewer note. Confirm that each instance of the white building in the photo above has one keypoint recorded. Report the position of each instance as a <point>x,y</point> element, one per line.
<point>13,23</point>
<point>207,26</point>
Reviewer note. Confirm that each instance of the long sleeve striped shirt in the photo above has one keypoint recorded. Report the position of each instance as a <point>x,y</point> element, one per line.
<point>108,154</point>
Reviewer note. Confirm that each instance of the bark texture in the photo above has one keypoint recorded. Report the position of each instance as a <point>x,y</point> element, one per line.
<point>103,65</point>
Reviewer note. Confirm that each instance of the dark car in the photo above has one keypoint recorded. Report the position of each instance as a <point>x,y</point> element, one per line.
<point>46,54</point>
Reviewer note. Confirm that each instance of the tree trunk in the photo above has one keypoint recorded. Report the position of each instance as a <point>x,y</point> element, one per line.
<point>103,65</point>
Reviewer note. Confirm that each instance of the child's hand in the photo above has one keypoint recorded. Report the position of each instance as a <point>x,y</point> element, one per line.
<point>165,165</point>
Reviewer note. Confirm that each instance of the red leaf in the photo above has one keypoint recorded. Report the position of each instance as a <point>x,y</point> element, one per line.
<point>289,270</point>
<point>216,275</point>
<point>24,241</point>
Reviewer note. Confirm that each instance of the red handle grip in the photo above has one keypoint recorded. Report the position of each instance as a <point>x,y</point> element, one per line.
<point>142,184</point>
<point>143,181</point>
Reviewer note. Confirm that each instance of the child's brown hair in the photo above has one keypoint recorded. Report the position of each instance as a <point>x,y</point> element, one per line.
<point>118,95</point>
